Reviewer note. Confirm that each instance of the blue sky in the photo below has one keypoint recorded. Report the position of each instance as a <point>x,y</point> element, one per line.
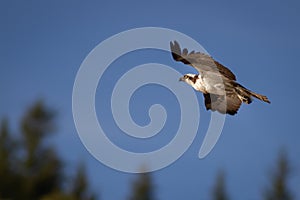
<point>43,44</point>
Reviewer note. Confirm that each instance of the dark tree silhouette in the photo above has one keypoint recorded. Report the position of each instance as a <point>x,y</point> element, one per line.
<point>219,189</point>
<point>278,189</point>
<point>30,168</point>
<point>142,188</point>
<point>41,167</point>
<point>80,185</point>
<point>9,180</point>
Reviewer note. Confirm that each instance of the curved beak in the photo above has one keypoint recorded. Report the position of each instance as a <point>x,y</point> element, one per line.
<point>181,79</point>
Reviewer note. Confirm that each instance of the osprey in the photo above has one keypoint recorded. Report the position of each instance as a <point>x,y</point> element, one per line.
<point>217,83</point>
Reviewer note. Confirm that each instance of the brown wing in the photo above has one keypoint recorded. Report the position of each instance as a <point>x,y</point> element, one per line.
<point>200,61</point>
<point>217,103</point>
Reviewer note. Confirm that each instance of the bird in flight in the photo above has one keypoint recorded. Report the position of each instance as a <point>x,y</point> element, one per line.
<point>218,84</point>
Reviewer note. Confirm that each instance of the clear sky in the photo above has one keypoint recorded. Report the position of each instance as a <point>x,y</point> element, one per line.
<point>43,43</point>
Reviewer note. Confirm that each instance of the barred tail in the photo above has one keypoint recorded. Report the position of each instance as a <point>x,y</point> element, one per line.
<point>246,94</point>
<point>260,97</point>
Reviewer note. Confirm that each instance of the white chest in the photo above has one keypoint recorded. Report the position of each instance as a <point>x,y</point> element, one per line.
<point>200,85</point>
<point>210,85</point>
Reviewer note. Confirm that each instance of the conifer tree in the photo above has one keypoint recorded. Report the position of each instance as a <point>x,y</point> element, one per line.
<point>30,168</point>
<point>278,189</point>
<point>219,189</point>
<point>142,188</point>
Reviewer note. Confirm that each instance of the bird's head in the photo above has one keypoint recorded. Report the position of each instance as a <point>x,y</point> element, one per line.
<point>189,79</point>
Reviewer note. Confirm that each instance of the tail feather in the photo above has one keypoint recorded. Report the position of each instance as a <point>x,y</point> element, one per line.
<point>260,97</point>
<point>247,94</point>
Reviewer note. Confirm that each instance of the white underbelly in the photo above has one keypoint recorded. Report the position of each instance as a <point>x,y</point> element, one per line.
<point>209,85</point>
<point>199,86</point>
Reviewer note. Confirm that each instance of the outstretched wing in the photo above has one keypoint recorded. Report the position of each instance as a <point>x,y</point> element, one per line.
<point>201,62</point>
<point>218,103</point>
